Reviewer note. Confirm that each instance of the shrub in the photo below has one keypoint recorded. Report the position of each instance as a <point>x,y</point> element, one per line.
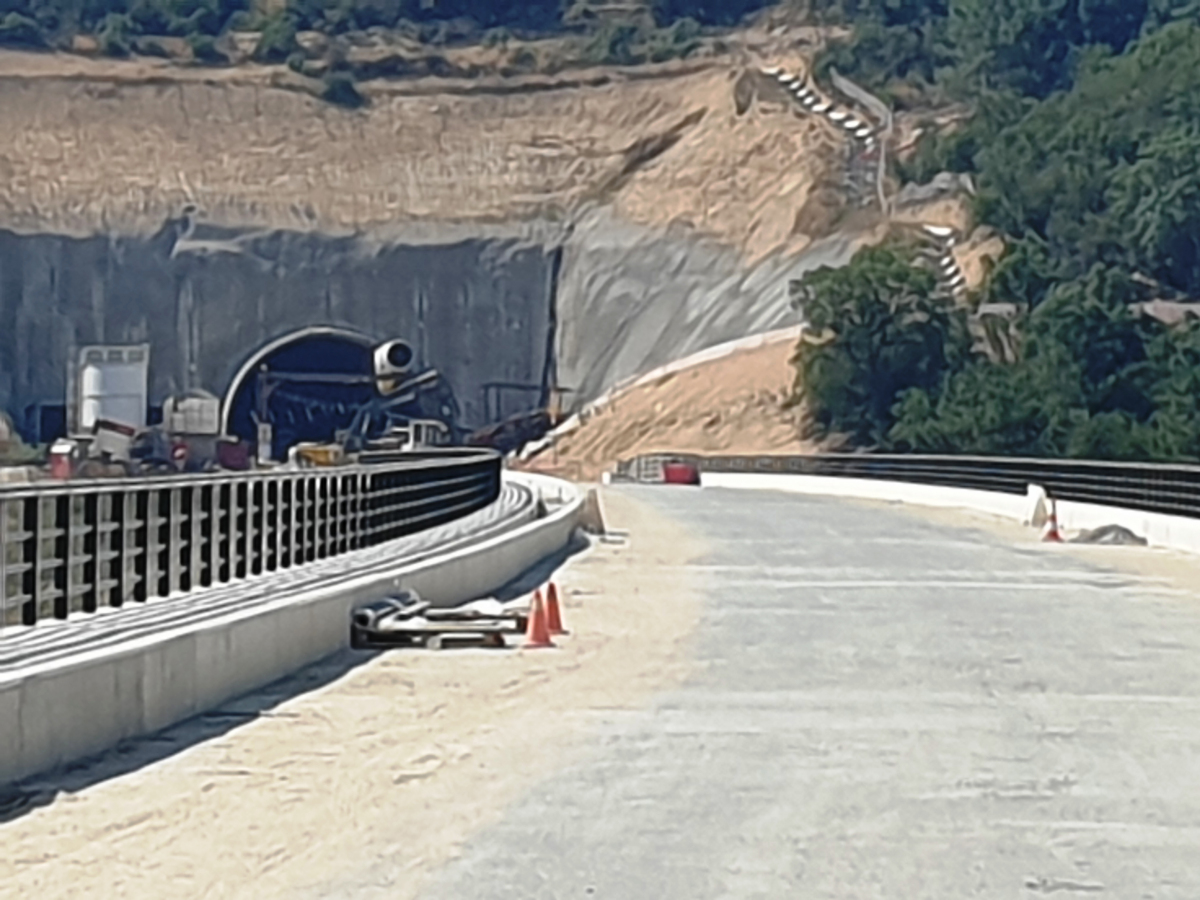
<point>277,41</point>
<point>204,50</point>
<point>340,89</point>
<point>17,30</point>
<point>114,35</point>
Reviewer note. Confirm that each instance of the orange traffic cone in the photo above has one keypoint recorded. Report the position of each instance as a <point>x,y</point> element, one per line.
<point>537,632</point>
<point>553,614</point>
<point>1052,534</point>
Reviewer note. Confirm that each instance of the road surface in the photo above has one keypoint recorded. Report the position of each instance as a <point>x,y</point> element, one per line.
<point>882,706</point>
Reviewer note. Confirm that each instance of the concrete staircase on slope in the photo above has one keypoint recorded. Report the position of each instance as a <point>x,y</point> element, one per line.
<point>939,254</point>
<point>863,148</point>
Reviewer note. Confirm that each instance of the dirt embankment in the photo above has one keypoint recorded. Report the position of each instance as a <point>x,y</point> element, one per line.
<point>104,145</point>
<point>734,404</point>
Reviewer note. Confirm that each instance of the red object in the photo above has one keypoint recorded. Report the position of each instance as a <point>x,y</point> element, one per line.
<point>1052,534</point>
<point>233,455</point>
<point>680,473</point>
<point>553,615</point>
<point>537,632</point>
<point>60,466</point>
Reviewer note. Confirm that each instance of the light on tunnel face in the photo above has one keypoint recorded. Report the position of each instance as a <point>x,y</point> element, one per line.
<point>399,355</point>
<point>393,358</point>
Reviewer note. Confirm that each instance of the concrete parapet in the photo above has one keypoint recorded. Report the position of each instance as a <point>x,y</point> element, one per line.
<point>54,713</point>
<point>1160,530</point>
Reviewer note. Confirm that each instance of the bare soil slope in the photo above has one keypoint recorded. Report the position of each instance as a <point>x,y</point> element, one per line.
<point>735,404</point>
<point>100,145</point>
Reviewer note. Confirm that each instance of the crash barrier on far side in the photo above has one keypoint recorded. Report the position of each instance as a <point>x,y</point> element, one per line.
<point>1156,501</point>
<point>60,709</point>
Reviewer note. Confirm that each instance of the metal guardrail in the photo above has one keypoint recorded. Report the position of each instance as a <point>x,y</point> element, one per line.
<point>1151,487</point>
<point>81,546</point>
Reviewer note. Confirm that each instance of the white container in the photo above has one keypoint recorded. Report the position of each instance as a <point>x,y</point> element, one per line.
<point>198,413</point>
<point>111,383</point>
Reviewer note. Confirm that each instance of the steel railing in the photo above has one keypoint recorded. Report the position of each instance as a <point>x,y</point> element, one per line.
<point>82,546</point>
<point>1152,487</point>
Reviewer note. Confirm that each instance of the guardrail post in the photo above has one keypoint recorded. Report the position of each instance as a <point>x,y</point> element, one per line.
<point>325,519</point>
<point>287,523</point>
<point>91,572</point>
<point>204,536</point>
<point>59,537</point>
<point>224,527</point>
<point>108,549</point>
<point>123,544</point>
<point>170,506</point>
<point>273,538</point>
<point>300,517</point>
<point>242,530</point>
<point>337,516</point>
<point>144,562</point>
<point>32,526</point>
<point>6,542</point>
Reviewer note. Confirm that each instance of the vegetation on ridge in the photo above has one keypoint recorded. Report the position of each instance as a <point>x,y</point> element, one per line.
<point>641,29</point>
<point>1085,146</point>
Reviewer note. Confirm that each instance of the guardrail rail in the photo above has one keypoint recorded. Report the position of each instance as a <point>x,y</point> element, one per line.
<point>81,546</point>
<point>1151,487</point>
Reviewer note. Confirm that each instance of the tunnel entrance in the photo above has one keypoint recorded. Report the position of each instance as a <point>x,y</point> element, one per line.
<point>301,409</point>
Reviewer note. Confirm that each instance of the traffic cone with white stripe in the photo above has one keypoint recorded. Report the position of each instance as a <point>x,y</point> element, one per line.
<point>537,632</point>
<point>1051,533</point>
<point>553,614</point>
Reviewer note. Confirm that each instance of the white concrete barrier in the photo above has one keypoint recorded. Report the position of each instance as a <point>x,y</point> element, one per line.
<point>1009,506</point>
<point>1173,532</point>
<point>61,711</point>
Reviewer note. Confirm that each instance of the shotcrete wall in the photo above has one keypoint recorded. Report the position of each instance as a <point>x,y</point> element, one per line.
<point>631,299</point>
<point>478,309</point>
<point>602,298</point>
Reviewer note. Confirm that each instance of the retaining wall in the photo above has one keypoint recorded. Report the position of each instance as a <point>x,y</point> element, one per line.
<point>54,713</point>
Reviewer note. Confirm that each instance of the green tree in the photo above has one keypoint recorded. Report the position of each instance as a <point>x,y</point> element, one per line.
<point>277,41</point>
<point>17,30</point>
<point>876,330</point>
<point>114,35</point>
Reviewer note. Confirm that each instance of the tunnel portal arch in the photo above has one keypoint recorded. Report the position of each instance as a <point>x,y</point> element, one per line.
<point>302,411</point>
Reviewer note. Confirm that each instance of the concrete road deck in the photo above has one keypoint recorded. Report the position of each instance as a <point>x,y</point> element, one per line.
<point>883,707</point>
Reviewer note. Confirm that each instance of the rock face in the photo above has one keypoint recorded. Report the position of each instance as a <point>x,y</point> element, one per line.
<point>632,298</point>
<point>586,305</point>
<point>342,218</point>
<point>477,309</point>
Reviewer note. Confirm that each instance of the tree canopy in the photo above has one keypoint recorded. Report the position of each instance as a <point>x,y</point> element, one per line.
<point>49,23</point>
<point>1084,142</point>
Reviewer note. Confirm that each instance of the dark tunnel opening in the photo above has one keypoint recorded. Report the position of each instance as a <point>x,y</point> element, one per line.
<point>300,410</point>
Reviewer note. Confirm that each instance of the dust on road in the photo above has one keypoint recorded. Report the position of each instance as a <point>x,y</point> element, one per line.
<point>397,760</point>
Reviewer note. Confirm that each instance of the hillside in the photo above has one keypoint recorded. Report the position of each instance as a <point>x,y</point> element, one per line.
<point>681,198</point>
<point>94,144</point>
<point>735,403</point>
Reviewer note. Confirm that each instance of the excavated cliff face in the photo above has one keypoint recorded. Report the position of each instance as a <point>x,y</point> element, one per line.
<point>477,308</point>
<point>593,230</point>
<point>631,298</point>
